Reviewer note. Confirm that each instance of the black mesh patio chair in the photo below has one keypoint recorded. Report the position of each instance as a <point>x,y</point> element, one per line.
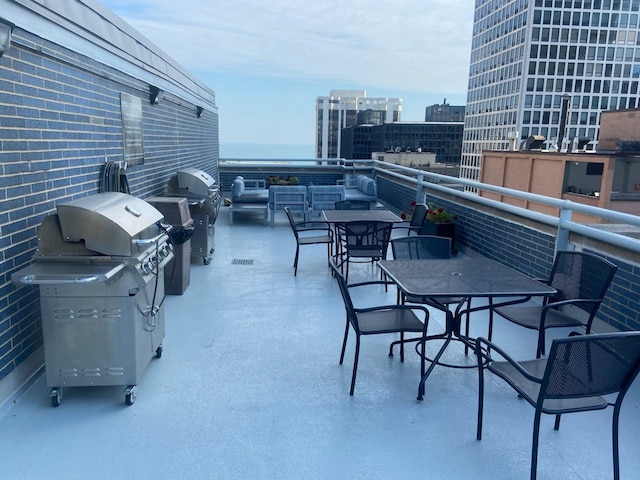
<point>581,279</point>
<point>579,371</point>
<point>378,320</point>
<point>353,205</point>
<point>364,240</point>
<point>309,233</point>
<point>422,247</point>
<point>417,219</point>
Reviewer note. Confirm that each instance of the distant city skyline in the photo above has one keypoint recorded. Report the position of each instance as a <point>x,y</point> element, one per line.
<point>271,60</point>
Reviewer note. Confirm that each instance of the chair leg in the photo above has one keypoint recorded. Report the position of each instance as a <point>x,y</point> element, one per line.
<point>402,347</point>
<point>556,425</point>
<point>616,440</point>
<point>295,261</point>
<point>355,365</point>
<point>344,342</point>
<point>466,326</point>
<point>490,334</point>
<point>480,395</point>
<point>541,343</point>
<point>534,445</point>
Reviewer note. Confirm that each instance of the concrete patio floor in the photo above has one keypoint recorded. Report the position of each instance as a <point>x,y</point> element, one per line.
<point>249,386</point>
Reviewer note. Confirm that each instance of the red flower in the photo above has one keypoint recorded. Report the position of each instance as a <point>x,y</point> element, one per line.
<point>403,216</point>
<point>413,203</point>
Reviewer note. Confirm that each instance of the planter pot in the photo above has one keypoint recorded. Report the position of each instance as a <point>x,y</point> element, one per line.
<point>441,230</point>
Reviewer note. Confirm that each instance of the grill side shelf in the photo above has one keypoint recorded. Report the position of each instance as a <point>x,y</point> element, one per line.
<point>52,273</point>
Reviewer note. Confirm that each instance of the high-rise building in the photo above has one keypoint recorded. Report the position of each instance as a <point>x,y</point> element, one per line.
<point>444,113</point>
<point>346,108</point>
<point>527,54</point>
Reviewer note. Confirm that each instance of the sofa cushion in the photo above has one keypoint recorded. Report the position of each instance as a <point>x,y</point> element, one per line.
<point>369,187</point>
<point>237,189</point>
<point>253,195</point>
<point>360,182</point>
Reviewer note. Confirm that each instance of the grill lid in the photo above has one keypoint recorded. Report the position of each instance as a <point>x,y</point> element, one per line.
<point>197,182</point>
<point>107,222</point>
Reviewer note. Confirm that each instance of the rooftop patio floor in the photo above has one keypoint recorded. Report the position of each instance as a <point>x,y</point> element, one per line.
<point>249,386</point>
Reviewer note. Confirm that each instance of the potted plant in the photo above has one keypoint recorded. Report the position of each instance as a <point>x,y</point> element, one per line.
<point>407,217</point>
<point>275,180</point>
<point>440,222</point>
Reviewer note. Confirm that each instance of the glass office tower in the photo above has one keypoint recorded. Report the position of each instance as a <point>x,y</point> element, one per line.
<point>529,55</point>
<point>346,108</point>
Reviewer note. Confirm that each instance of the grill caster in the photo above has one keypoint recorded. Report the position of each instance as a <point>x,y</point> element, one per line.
<point>159,352</point>
<point>130,394</point>
<point>56,396</point>
<point>206,260</point>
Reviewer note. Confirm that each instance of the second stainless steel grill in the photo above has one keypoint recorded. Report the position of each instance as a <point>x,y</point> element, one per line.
<point>99,265</point>
<point>203,195</point>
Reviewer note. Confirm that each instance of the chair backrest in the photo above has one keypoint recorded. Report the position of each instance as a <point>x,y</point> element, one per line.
<point>292,220</point>
<point>352,205</point>
<point>419,214</point>
<point>364,235</point>
<point>581,275</point>
<point>346,296</point>
<point>589,365</point>
<point>421,247</point>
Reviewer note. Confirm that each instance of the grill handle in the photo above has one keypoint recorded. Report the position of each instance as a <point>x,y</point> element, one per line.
<point>157,238</point>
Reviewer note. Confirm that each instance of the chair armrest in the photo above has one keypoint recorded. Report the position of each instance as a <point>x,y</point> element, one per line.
<point>481,354</point>
<point>398,307</point>
<point>306,226</point>
<point>573,301</point>
<point>404,224</point>
<point>372,282</point>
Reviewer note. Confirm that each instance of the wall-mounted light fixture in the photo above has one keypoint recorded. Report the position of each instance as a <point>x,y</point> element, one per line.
<point>155,94</point>
<point>199,111</point>
<point>6,28</point>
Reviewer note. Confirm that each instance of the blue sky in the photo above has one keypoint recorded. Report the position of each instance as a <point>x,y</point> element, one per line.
<point>268,61</point>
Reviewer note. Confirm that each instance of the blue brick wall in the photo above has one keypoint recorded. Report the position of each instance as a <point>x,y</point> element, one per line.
<point>525,249</point>
<point>59,119</point>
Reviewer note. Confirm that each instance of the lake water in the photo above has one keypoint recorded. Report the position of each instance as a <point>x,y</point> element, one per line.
<point>265,150</point>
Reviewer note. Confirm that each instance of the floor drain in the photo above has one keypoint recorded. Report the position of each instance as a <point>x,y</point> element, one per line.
<point>241,261</point>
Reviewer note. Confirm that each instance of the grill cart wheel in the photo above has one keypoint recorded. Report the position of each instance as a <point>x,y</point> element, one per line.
<point>206,260</point>
<point>159,352</point>
<point>56,396</point>
<point>130,395</point>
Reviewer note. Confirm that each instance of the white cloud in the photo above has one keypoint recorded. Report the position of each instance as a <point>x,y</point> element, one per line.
<point>413,45</point>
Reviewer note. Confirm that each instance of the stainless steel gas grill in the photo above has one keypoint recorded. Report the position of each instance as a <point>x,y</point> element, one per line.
<point>204,197</point>
<point>100,267</point>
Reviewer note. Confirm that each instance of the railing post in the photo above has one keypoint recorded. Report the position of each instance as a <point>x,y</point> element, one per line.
<point>420,188</point>
<point>562,236</point>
